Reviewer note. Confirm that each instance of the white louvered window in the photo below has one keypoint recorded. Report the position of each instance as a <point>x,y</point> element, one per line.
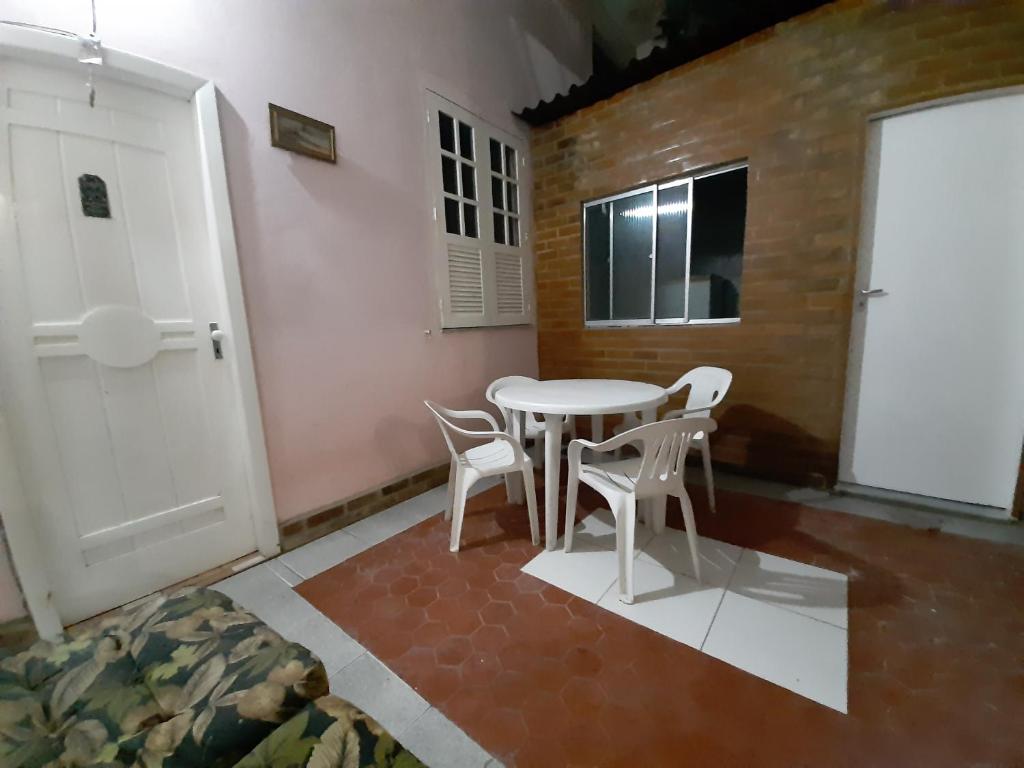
<point>484,270</point>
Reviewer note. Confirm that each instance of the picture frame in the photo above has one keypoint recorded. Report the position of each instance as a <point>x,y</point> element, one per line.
<point>298,133</point>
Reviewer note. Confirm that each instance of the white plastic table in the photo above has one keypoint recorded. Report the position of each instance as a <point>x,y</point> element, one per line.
<point>559,398</point>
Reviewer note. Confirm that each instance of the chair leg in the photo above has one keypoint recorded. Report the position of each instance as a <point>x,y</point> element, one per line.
<point>452,471</point>
<point>572,426</point>
<point>691,531</point>
<point>625,524</point>
<point>571,489</point>
<point>709,480</point>
<point>656,508</point>
<point>531,503</point>
<point>461,491</point>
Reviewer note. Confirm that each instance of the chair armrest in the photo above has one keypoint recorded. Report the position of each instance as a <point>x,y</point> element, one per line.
<point>576,446</point>
<point>473,415</point>
<point>495,434</point>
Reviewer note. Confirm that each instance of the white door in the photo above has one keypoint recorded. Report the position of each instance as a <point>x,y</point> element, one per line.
<point>124,422</point>
<point>936,398</point>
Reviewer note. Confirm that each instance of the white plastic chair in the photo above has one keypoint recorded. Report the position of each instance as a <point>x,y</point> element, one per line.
<point>533,427</point>
<point>498,454</point>
<point>657,471</point>
<point>708,387</point>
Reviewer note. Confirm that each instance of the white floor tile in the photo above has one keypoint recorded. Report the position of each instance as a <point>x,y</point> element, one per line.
<point>386,523</point>
<point>255,586</point>
<point>585,572</point>
<point>597,531</point>
<point>286,613</point>
<point>331,644</point>
<point>380,693</point>
<point>669,603</point>
<point>794,586</point>
<point>801,654</point>
<point>323,553</point>
<point>439,743</point>
<point>671,549</point>
<point>290,577</point>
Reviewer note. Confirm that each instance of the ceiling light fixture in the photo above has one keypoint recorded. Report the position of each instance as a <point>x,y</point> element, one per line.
<point>91,54</point>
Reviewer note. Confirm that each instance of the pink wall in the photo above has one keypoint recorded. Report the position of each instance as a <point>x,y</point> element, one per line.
<point>336,261</point>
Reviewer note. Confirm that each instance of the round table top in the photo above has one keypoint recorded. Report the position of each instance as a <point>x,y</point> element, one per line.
<point>581,397</point>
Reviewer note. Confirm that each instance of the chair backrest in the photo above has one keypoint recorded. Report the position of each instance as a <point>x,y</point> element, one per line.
<point>663,448</point>
<point>497,384</point>
<point>708,386</point>
<point>445,425</point>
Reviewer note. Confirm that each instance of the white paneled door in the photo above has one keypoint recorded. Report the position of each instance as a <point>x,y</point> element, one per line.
<point>936,399</point>
<point>125,422</point>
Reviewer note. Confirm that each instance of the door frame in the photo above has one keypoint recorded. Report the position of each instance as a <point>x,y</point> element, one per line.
<point>61,51</point>
<point>858,321</point>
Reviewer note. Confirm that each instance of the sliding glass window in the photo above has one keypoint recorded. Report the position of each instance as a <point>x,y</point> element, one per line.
<point>669,253</point>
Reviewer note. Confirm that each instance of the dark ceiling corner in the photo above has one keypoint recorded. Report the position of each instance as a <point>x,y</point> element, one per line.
<point>682,32</point>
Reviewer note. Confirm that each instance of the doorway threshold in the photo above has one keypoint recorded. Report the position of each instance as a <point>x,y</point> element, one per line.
<point>916,501</point>
<point>1003,531</point>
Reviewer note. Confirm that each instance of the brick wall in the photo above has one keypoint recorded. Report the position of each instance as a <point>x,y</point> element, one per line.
<point>793,100</point>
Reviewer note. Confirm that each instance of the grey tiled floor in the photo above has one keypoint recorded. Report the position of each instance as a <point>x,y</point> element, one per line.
<point>357,676</point>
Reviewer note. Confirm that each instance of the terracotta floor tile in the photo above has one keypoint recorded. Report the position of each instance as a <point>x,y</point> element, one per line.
<point>541,678</point>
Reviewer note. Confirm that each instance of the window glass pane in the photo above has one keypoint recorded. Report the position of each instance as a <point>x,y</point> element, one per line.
<point>448,179</point>
<point>512,193</point>
<point>451,216</point>
<point>469,222</point>
<point>597,225</point>
<point>497,199</point>
<point>465,141</point>
<point>513,230</point>
<point>716,254</point>
<point>447,131</point>
<point>632,245</point>
<point>670,280</point>
<point>495,156</point>
<point>468,181</point>
<point>499,229</point>
<point>510,162</point>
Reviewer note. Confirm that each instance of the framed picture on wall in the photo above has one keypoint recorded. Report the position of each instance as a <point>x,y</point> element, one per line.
<point>298,133</point>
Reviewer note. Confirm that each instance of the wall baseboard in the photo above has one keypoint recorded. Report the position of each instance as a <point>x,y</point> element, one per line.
<point>334,517</point>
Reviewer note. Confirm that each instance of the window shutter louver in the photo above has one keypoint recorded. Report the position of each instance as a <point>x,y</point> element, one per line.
<point>508,271</point>
<point>465,281</point>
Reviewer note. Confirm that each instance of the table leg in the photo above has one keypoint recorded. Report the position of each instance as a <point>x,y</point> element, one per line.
<point>653,509</point>
<point>552,469</point>
<point>596,436</point>
<point>514,480</point>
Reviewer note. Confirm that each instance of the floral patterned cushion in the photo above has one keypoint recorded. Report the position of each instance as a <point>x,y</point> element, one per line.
<point>189,680</point>
<point>330,733</point>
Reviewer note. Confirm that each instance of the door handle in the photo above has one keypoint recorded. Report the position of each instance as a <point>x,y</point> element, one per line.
<point>216,337</point>
<point>869,292</point>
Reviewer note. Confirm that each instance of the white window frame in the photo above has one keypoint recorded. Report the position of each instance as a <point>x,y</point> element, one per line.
<point>490,253</point>
<point>689,181</point>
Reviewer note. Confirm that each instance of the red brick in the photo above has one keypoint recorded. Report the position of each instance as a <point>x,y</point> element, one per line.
<point>794,101</point>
